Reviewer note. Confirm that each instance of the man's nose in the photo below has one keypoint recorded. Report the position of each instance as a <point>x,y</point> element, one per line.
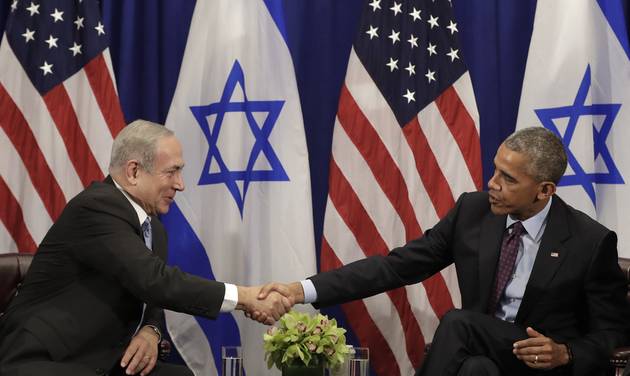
<point>492,184</point>
<point>179,182</point>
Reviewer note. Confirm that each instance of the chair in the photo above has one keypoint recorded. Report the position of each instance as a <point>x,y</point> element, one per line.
<point>620,356</point>
<point>13,268</point>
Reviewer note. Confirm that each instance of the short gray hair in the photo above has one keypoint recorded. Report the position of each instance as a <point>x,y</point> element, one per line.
<point>137,141</point>
<point>544,149</point>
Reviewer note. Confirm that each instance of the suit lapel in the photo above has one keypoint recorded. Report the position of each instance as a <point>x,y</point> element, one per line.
<point>492,229</point>
<point>550,256</point>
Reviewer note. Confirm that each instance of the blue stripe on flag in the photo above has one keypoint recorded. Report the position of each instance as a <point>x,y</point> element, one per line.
<point>614,13</point>
<point>191,257</point>
<point>277,13</point>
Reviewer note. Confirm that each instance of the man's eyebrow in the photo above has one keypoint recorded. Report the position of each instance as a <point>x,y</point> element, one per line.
<point>174,168</point>
<point>506,174</point>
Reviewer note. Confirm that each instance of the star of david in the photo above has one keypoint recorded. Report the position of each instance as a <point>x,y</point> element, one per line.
<point>261,134</point>
<point>573,112</point>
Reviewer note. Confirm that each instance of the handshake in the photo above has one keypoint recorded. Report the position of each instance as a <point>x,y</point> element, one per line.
<point>267,303</point>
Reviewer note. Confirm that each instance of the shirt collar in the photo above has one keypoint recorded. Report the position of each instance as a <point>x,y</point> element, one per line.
<point>142,215</point>
<point>534,224</point>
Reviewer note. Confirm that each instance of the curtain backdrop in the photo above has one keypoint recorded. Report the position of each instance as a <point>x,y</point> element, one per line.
<point>148,39</point>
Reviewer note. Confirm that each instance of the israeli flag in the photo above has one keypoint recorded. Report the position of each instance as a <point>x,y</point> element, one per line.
<point>577,84</point>
<point>246,215</point>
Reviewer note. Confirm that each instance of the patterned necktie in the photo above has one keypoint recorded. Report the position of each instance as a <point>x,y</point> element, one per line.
<point>147,233</point>
<point>509,250</point>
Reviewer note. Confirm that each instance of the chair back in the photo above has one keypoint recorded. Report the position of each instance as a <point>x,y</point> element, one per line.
<point>624,264</point>
<point>13,268</point>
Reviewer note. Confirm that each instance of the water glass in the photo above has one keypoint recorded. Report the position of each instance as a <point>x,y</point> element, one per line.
<point>359,362</point>
<point>232,361</point>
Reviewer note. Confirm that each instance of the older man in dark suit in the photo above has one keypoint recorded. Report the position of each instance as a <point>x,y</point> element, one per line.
<point>92,300</point>
<point>541,289</point>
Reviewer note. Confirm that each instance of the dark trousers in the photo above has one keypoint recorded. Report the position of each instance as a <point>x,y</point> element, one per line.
<point>23,354</point>
<point>50,368</point>
<point>474,344</point>
<point>161,369</point>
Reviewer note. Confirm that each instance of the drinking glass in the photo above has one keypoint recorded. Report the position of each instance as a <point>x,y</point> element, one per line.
<point>232,361</point>
<point>359,362</point>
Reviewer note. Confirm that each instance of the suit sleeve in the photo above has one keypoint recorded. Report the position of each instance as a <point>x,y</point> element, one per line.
<point>606,309</point>
<point>414,262</point>
<point>109,244</point>
<point>154,316</point>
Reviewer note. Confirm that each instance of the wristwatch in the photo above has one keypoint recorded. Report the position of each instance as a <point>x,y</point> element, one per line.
<point>157,331</point>
<point>570,353</point>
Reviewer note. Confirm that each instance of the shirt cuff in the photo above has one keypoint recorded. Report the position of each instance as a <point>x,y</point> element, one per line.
<point>310,294</point>
<point>230,299</point>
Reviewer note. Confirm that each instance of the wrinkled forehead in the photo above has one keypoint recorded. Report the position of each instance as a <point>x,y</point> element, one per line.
<point>512,161</point>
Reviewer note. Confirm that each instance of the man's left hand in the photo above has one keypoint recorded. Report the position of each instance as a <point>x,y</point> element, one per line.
<point>142,352</point>
<point>541,352</point>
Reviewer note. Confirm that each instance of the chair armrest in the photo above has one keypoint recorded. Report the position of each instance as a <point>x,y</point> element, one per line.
<point>164,349</point>
<point>620,356</point>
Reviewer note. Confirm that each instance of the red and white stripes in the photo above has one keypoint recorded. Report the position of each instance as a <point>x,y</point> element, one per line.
<point>53,146</point>
<point>387,185</point>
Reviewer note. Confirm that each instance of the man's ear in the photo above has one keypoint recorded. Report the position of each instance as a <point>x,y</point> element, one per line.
<point>547,189</point>
<point>132,168</point>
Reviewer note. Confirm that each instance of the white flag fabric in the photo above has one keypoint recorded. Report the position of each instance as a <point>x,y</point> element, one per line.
<point>577,84</point>
<point>245,216</point>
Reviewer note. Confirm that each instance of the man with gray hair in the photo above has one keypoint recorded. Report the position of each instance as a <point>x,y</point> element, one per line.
<point>542,293</point>
<point>92,300</point>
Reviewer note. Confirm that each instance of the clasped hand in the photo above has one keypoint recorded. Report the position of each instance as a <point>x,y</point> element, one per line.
<point>541,352</point>
<point>267,308</point>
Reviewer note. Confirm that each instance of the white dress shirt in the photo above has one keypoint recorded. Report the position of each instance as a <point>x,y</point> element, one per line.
<point>527,251</point>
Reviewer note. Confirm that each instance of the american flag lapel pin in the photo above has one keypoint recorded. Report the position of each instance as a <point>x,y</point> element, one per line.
<point>555,254</point>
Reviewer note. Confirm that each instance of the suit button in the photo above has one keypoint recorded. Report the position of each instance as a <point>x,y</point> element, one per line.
<point>99,371</point>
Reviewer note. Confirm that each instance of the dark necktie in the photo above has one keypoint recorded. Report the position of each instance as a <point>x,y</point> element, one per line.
<point>507,259</point>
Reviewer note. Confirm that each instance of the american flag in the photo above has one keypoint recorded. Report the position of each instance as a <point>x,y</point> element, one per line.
<point>59,113</point>
<point>405,146</point>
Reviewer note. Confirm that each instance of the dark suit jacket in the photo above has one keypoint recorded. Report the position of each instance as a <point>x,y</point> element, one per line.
<point>576,298</point>
<point>83,295</point>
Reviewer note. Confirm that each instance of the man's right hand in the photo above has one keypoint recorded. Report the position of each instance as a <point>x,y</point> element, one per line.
<point>265,310</point>
<point>292,290</point>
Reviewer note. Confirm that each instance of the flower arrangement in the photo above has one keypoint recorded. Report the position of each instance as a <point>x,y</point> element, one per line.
<point>303,339</point>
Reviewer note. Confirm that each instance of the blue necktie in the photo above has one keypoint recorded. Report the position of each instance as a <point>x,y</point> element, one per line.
<point>147,233</point>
